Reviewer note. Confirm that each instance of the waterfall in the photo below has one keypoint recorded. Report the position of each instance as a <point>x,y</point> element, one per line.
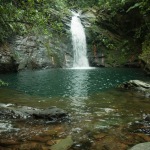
<point>78,42</point>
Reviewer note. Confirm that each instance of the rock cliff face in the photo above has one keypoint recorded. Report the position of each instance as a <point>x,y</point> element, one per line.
<point>107,45</point>
<point>30,53</point>
<point>7,61</point>
<point>112,39</point>
<point>34,52</point>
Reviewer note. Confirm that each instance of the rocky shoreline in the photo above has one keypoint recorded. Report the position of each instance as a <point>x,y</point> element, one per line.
<point>20,127</point>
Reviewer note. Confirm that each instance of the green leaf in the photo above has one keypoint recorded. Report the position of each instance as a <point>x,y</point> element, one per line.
<point>134,6</point>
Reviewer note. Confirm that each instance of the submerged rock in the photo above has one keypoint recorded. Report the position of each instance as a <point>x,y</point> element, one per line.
<point>141,146</point>
<point>139,86</point>
<point>63,144</point>
<point>141,126</point>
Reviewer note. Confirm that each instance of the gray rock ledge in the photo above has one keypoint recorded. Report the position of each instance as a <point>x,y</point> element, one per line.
<point>137,85</point>
<point>52,114</point>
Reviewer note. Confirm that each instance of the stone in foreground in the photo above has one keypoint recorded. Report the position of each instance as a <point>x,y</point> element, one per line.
<point>63,144</point>
<point>52,114</point>
<point>141,146</point>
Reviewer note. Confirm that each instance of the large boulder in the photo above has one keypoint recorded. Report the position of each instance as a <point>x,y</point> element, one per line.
<point>52,114</point>
<point>137,85</point>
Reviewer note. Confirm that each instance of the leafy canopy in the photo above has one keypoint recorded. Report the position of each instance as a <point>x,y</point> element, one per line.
<point>21,16</point>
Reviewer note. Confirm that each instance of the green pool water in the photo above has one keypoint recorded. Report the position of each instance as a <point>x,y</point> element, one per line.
<point>89,95</point>
<point>70,82</point>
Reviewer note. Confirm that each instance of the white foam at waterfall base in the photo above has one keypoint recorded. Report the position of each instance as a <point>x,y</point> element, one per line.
<point>79,43</point>
<point>86,68</point>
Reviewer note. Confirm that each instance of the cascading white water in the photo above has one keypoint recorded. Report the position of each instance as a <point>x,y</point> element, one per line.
<point>79,43</point>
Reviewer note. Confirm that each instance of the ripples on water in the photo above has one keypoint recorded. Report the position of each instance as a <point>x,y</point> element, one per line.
<point>69,82</point>
<point>77,90</point>
<point>88,94</point>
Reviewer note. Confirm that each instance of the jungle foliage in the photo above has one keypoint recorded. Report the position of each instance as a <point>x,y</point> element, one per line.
<point>23,16</point>
<point>126,25</point>
<point>128,18</point>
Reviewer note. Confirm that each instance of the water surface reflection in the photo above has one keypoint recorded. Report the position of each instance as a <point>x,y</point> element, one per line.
<point>79,82</point>
<point>79,88</point>
<point>69,82</point>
